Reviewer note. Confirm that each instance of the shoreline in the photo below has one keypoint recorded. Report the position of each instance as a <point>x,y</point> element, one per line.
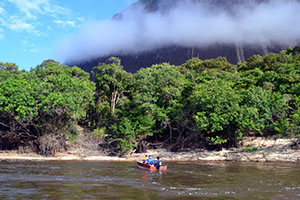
<point>266,150</point>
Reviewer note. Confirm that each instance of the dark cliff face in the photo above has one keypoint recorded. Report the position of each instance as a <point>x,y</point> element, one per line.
<point>154,5</point>
<point>177,55</point>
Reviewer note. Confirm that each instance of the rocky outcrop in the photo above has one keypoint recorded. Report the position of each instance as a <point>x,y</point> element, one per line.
<point>178,55</point>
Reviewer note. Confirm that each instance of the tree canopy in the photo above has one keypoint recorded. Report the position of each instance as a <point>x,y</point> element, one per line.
<point>41,103</point>
<point>201,103</point>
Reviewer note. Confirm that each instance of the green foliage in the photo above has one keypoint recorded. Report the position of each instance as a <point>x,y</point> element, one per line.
<point>256,109</point>
<point>125,135</point>
<point>8,68</point>
<point>71,137</point>
<point>99,132</point>
<point>155,100</point>
<point>217,140</point>
<point>158,93</point>
<point>293,51</point>
<point>218,110</point>
<point>208,100</point>
<point>112,82</point>
<point>252,149</point>
<point>295,123</point>
<point>18,97</point>
<point>64,91</point>
<point>46,100</point>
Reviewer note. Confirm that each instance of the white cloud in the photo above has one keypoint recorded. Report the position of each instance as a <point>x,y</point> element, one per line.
<point>67,23</point>
<point>18,24</point>
<point>28,46</point>
<point>34,51</point>
<point>2,11</point>
<point>55,10</point>
<point>188,24</point>
<point>27,7</point>
<point>27,18</point>
<point>32,8</point>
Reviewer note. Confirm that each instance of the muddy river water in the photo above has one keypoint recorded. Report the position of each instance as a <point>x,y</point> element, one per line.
<point>122,180</point>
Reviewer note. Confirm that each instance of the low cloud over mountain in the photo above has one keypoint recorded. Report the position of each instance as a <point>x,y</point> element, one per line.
<point>233,27</point>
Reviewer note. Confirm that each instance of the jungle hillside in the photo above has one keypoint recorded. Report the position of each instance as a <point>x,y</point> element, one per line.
<point>209,104</point>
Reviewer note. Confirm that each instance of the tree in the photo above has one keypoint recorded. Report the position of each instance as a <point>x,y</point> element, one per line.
<point>111,82</point>
<point>154,104</point>
<point>159,92</point>
<point>40,105</point>
<point>17,111</point>
<point>215,109</point>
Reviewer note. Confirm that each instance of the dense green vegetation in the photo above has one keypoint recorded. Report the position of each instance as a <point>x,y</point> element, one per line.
<point>38,108</point>
<point>202,103</point>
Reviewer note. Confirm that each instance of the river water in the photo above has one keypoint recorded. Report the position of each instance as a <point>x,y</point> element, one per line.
<point>123,181</point>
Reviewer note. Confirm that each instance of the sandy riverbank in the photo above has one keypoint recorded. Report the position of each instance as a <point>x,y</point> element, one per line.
<point>268,150</point>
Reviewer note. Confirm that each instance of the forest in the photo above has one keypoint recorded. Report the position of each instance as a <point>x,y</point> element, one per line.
<point>209,104</point>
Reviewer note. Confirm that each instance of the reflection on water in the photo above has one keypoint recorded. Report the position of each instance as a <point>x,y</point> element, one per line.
<point>122,180</point>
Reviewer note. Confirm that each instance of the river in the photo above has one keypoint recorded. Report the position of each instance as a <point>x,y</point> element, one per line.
<point>123,181</point>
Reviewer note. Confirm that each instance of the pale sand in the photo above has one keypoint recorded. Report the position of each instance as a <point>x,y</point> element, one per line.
<point>270,150</point>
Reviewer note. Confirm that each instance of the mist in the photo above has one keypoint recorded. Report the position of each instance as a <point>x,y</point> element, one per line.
<point>188,24</point>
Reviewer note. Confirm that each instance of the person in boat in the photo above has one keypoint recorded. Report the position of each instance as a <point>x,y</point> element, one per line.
<point>145,161</point>
<point>158,163</point>
<point>150,160</point>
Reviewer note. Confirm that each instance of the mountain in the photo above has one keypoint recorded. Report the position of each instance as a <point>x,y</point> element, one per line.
<point>177,54</point>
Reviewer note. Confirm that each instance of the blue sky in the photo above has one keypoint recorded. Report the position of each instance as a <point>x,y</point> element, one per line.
<point>30,30</point>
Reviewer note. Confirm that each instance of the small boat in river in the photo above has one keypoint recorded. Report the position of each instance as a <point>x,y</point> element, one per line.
<point>141,165</point>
